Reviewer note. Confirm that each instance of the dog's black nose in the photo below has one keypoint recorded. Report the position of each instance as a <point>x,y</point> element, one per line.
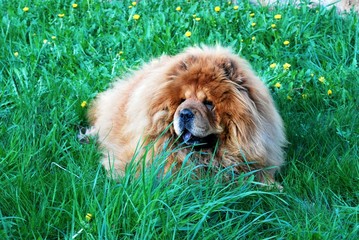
<point>186,115</point>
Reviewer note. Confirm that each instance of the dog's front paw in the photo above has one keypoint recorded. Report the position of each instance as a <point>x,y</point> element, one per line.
<point>85,134</point>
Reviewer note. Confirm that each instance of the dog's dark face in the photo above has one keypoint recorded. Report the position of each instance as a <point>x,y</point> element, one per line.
<point>194,121</point>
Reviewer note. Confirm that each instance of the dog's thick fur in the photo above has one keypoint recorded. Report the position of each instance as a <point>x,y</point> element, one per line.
<point>205,97</point>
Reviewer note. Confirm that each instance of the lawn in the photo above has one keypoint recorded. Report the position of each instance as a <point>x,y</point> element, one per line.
<point>57,55</point>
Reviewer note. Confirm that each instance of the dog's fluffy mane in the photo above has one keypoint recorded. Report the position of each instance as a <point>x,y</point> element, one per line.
<point>248,126</point>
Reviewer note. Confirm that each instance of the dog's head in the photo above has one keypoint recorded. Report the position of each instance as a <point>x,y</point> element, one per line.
<point>210,94</point>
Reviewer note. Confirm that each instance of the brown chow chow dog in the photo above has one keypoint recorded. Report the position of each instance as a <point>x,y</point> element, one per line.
<point>205,98</point>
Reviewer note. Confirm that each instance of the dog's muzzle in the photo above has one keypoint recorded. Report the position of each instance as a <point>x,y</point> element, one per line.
<point>186,126</point>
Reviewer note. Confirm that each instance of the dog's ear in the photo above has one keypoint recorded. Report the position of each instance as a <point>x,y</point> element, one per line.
<point>187,62</point>
<point>229,67</point>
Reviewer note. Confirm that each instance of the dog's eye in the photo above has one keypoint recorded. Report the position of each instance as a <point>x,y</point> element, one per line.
<point>209,105</point>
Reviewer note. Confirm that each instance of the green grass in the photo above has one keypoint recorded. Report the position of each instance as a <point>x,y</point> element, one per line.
<point>49,181</point>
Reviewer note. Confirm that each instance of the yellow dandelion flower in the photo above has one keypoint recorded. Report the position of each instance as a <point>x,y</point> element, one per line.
<point>278,85</point>
<point>277,16</point>
<point>178,8</point>
<point>75,5</point>
<point>217,9</point>
<point>16,54</point>
<point>88,217</point>
<point>45,41</point>
<point>134,3</point>
<point>273,65</point>
<point>235,7</point>
<point>25,9</point>
<point>330,92</point>
<point>286,42</point>
<point>253,24</point>
<point>83,104</point>
<point>251,14</point>
<point>129,7</point>
<point>53,37</point>
<point>321,79</point>
<point>136,16</point>
<point>188,34</point>
<point>286,66</point>
<point>304,96</point>
<point>312,74</point>
<point>61,15</point>
<point>253,38</point>
<point>273,25</point>
<point>197,19</point>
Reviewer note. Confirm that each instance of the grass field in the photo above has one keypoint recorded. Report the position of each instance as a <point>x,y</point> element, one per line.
<point>56,56</point>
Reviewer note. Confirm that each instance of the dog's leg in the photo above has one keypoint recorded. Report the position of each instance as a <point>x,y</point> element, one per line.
<point>267,179</point>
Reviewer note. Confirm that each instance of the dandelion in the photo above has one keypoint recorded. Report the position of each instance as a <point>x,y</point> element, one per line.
<point>217,9</point>
<point>304,96</point>
<point>286,42</point>
<point>83,104</point>
<point>45,41</point>
<point>273,65</point>
<point>136,16</point>
<point>253,38</point>
<point>88,217</point>
<point>321,79</point>
<point>277,16</point>
<point>273,25</point>
<point>61,15</point>
<point>286,66</point>
<point>75,5</point>
<point>312,74</point>
<point>278,85</point>
<point>330,92</point>
<point>178,8</point>
<point>188,34</point>
<point>253,24</point>
<point>251,14</point>
<point>134,3</point>
<point>53,37</point>
<point>25,9</point>
<point>16,54</point>
<point>197,19</point>
<point>235,7</point>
